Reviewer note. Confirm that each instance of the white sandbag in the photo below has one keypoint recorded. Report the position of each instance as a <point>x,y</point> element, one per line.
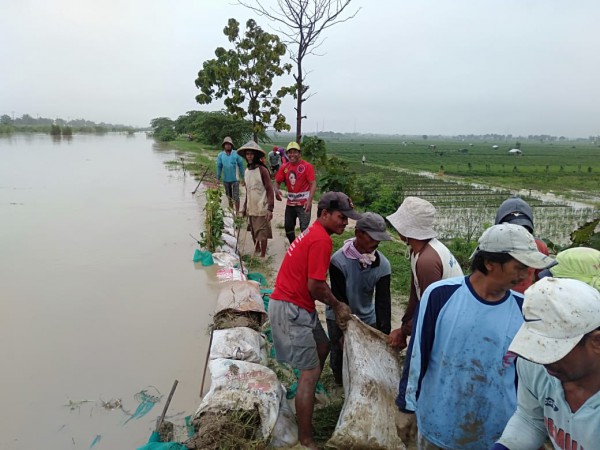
<point>229,230</point>
<point>240,343</point>
<point>227,274</point>
<point>285,433</point>
<point>243,386</point>
<point>224,248</point>
<point>224,259</point>
<point>369,417</point>
<point>229,240</point>
<point>241,296</point>
<point>228,220</point>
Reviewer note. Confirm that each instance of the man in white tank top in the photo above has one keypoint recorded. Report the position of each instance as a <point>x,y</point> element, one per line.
<point>430,260</point>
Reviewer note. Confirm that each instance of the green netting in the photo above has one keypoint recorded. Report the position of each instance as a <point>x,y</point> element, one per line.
<point>258,277</point>
<point>203,257</point>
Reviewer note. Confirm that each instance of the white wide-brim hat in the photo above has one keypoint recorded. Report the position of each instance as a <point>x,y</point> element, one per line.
<point>414,219</point>
<point>558,312</point>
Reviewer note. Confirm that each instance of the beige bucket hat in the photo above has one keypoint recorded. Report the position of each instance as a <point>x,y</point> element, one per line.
<point>227,140</point>
<point>250,145</point>
<point>414,219</point>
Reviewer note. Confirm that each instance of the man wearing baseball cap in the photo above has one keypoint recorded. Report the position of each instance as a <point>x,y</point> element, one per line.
<point>301,184</point>
<point>298,335</point>
<point>457,376</point>
<point>357,273</point>
<point>559,368</point>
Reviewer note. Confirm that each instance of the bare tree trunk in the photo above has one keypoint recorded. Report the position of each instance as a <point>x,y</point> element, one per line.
<point>299,100</point>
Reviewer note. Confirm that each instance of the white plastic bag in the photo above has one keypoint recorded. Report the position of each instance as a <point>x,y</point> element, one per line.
<point>243,386</point>
<point>285,433</point>
<point>225,259</point>
<point>369,417</point>
<point>240,343</point>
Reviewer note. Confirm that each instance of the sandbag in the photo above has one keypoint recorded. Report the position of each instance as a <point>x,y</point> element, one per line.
<point>239,343</point>
<point>224,259</point>
<point>228,274</point>
<point>229,240</point>
<point>243,386</point>
<point>369,417</point>
<point>241,296</point>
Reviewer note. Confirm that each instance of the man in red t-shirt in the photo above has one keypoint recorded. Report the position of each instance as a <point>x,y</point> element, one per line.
<point>298,335</point>
<point>299,178</point>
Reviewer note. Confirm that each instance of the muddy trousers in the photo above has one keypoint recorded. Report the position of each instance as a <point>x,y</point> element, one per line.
<point>291,214</point>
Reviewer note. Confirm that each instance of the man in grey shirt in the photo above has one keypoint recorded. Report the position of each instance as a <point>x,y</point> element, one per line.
<point>357,272</point>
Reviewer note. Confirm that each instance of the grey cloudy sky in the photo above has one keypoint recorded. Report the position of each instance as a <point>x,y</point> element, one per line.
<point>401,66</point>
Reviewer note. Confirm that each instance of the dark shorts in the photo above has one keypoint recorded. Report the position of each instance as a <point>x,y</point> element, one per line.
<point>260,228</point>
<point>296,334</point>
<point>232,190</point>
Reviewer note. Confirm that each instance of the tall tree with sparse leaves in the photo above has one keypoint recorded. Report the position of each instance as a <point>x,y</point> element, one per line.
<point>244,77</point>
<point>302,22</point>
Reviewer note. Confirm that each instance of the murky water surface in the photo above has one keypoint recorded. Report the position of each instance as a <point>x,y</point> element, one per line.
<point>99,298</point>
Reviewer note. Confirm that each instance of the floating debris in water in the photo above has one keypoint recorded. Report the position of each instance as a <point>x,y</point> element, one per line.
<point>147,398</point>
<point>96,440</point>
<point>76,404</point>
<point>113,403</point>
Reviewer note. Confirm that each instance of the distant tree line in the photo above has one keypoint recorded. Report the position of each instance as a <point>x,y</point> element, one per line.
<point>58,126</point>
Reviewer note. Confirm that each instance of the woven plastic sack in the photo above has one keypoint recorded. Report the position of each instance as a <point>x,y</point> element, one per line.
<point>243,386</point>
<point>369,417</point>
<point>241,296</point>
<point>240,343</point>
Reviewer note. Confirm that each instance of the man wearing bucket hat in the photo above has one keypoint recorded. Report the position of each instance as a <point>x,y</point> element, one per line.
<point>515,210</point>
<point>228,162</point>
<point>357,273</point>
<point>259,201</point>
<point>457,376</point>
<point>430,260</point>
<point>299,178</point>
<point>559,368</point>
<point>298,335</point>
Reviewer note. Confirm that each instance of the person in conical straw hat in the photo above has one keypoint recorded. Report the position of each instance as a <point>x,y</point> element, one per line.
<point>260,199</point>
<point>430,260</point>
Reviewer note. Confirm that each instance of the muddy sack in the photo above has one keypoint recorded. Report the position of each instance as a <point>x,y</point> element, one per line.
<point>285,433</point>
<point>239,343</point>
<point>243,386</point>
<point>240,296</point>
<point>369,417</point>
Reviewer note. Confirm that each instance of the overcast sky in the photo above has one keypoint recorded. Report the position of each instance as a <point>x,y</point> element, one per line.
<point>401,66</point>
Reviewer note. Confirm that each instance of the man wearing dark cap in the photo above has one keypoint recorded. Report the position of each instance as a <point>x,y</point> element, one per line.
<point>298,335</point>
<point>515,210</point>
<point>357,272</point>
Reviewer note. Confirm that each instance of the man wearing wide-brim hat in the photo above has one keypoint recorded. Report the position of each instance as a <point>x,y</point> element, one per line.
<point>430,260</point>
<point>559,368</point>
<point>259,201</point>
<point>228,163</point>
<point>459,378</point>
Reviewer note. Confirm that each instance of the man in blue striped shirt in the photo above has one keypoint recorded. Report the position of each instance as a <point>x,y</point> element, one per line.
<point>458,377</point>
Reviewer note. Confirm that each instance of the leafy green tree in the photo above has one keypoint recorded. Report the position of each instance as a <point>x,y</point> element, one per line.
<point>244,77</point>
<point>338,177</point>
<point>5,119</point>
<point>164,129</point>
<point>302,21</point>
<point>314,151</point>
<point>55,130</point>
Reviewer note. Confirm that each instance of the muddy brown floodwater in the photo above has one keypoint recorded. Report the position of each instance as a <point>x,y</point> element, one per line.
<point>99,298</point>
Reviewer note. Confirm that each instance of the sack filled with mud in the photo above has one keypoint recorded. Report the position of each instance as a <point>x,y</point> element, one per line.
<point>239,343</point>
<point>239,304</point>
<point>369,417</point>
<point>244,393</point>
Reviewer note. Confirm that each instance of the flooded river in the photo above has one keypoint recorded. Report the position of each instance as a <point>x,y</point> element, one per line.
<point>99,298</point>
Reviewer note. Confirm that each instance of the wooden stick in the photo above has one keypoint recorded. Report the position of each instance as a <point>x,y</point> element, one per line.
<point>164,413</point>
<point>206,363</point>
<point>202,178</point>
